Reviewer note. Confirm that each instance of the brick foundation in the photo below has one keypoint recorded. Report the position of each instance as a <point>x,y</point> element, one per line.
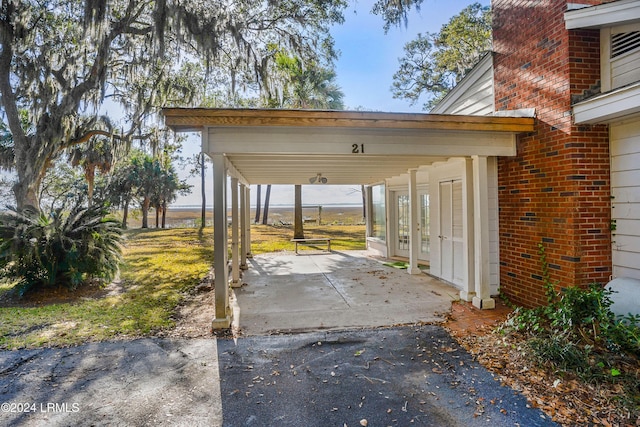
<point>556,190</point>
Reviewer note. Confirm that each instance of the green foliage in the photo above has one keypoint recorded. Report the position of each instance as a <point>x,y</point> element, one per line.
<point>61,61</point>
<point>435,62</point>
<point>66,247</point>
<point>549,286</point>
<point>306,84</point>
<point>394,12</point>
<point>564,353</point>
<point>577,332</point>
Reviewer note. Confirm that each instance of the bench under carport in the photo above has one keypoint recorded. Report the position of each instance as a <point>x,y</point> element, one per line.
<point>313,241</point>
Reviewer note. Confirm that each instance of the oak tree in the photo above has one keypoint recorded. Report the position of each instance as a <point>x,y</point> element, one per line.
<point>61,60</point>
<point>434,63</point>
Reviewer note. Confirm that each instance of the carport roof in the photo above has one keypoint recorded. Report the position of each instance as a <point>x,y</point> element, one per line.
<point>265,146</point>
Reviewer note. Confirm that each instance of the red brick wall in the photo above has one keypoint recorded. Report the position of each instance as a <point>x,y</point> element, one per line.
<point>556,190</point>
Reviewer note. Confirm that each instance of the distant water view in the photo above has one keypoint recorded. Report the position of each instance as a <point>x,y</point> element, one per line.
<point>282,206</point>
<point>279,215</point>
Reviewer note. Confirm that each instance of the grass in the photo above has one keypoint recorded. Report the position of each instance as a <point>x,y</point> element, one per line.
<point>266,238</point>
<point>160,268</point>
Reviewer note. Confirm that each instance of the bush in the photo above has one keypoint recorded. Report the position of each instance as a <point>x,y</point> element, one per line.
<point>561,352</point>
<point>66,247</point>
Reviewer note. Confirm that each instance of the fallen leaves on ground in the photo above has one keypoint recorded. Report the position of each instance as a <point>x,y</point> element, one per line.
<point>563,396</point>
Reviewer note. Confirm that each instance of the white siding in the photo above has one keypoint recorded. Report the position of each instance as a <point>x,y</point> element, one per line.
<point>625,189</point>
<point>625,69</point>
<point>478,100</point>
<point>473,95</point>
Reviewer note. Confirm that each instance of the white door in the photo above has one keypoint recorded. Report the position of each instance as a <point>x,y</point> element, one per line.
<point>450,235</point>
<point>402,224</point>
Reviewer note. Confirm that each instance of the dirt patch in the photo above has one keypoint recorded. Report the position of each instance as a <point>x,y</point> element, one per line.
<point>60,295</point>
<point>194,315</point>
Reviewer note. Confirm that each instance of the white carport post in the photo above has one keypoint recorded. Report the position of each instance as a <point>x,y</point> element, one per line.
<point>414,224</point>
<point>482,299</point>
<point>468,291</point>
<point>222,318</point>
<point>243,227</point>
<point>247,222</point>
<point>235,240</point>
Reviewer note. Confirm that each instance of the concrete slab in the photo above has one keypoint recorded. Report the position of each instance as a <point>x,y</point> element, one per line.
<point>338,290</point>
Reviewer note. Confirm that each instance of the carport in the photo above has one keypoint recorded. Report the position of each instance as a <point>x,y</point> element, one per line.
<point>257,146</point>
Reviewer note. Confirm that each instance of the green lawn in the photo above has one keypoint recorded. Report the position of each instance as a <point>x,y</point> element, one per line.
<point>160,267</point>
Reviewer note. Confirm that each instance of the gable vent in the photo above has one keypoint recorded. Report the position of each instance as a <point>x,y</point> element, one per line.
<point>624,42</point>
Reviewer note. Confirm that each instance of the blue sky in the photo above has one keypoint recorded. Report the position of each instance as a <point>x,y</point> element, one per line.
<point>365,69</point>
<point>370,57</point>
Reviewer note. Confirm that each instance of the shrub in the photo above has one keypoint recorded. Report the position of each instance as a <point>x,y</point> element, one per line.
<point>66,247</point>
<point>561,352</point>
<point>577,332</point>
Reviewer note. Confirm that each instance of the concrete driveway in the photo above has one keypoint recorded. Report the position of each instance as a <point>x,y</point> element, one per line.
<point>338,290</point>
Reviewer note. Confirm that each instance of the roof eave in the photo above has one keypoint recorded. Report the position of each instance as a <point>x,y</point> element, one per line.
<point>193,119</point>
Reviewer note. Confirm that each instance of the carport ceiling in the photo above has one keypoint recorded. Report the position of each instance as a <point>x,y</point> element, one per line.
<point>299,169</point>
<point>293,146</point>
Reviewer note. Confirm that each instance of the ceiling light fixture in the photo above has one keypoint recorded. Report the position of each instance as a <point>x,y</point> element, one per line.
<point>318,179</point>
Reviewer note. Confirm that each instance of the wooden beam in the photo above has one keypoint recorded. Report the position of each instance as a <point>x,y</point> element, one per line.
<point>188,119</point>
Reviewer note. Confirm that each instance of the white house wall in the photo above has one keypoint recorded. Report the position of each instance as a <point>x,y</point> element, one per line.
<point>625,189</point>
<point>454,170</point>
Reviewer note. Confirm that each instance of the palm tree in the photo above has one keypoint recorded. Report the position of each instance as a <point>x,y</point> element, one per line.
<point>306,86</point>
<point>121,189</point>
<point>166,190</point>
<point>98,154</point>
<point>147,172</point>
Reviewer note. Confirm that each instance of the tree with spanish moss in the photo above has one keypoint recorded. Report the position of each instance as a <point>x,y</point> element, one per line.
<point>62,59</point>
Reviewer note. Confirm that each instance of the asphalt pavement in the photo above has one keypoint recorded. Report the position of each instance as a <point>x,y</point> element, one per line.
<point>403,376</point>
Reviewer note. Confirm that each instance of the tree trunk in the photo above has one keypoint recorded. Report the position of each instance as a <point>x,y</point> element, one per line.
<point>298,228</point>
<point>258,203</point>
<point>26,194</point>
<point>30,168</point>
<point>265,216</point>
<point>90,176</point>
<point>164,215</point>
<point>203,213</point>
<point>145,212</point>
<point>125,215</point>
<point>158,209</point>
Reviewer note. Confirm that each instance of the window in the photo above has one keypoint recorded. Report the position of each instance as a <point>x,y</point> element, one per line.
<point>403,222</point>
<point>379,217</point>
<point>424,223</point>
